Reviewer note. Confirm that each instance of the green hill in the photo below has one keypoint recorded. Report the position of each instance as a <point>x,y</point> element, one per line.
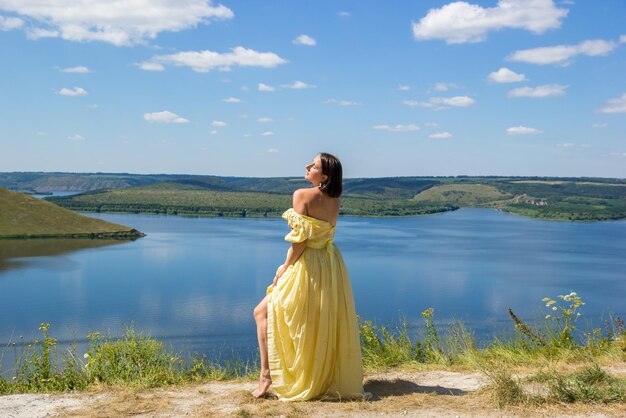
<point>467,195</point>
<point>556,198</point>
<point>23,216</point>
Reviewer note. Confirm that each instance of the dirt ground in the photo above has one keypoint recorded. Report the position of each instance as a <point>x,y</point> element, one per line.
<point>394,394</point>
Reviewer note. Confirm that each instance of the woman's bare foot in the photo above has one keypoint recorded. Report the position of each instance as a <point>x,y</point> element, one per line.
<point>265,380</point>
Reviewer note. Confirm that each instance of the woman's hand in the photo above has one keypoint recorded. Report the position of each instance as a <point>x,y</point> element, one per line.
<point>279,273</point>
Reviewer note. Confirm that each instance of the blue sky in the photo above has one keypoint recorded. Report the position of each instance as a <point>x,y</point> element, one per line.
<point>257,88</point>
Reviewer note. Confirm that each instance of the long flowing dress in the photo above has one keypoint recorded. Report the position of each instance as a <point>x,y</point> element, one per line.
<point>312,328</point>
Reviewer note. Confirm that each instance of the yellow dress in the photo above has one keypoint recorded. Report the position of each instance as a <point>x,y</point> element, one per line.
<point>312,329</point>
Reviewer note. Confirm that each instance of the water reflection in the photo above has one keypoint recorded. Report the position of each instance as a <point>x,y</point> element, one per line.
<point>13,253</point>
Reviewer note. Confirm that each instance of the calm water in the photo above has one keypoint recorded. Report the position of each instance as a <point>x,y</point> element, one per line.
<point>195,281</point>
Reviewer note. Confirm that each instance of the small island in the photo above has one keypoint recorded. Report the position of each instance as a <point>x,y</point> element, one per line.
<point>25,217</point>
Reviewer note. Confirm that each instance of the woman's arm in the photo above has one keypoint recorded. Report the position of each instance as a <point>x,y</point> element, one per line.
<point>296,249</point>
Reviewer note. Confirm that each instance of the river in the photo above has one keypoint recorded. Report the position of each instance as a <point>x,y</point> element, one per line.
<point>193,282</point>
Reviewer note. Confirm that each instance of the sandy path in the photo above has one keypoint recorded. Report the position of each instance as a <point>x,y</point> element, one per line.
<point>395,394</point>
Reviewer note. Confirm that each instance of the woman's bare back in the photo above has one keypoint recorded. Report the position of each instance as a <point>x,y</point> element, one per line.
<point>316,204</point>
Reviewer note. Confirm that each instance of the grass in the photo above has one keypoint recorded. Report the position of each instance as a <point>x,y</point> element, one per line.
<point>522,370</point>
<point>132,361</point>
<point>23,216</point>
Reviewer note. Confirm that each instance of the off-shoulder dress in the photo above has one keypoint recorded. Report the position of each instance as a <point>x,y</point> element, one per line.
<point>313,335</point>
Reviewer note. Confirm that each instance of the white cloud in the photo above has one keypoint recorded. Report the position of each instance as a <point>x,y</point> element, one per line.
<point>615,105</point>
<point>215,132</point>
<point>441,135</point>
<point>561,54</point>
<point>461,22</point>
<point>298,85</point>
<point>40,133</point>
<point>599,125</point>
<point>522,130</point>
<point>565,145</point>
<point>92,106</point>
<point>164,117</point>
<point>431,124</point>
<point>76,91</point>
<point>304,40</point>
<point>264,120</point>
<point>397,128</point>
<point>456,101</point>
<point>344,14</point>
<point>342,102</point>
<point>205,61</point>
<point>10,23</point>
<point>38,33</point>
<point>265,87</point>
<point>75,138</point>
<point>232,100</point>
<point>443,86</point>
<point>272,150</point>
<point>622,39</point>
<point>121,23</point>
<point>218,124</point>
<point>81,69</point>
<point>547,90</point>
<point>402,87</point>
<point>267,133</point>
<point>504,75</point>
<point>440,103</point>
<point>150,66</point>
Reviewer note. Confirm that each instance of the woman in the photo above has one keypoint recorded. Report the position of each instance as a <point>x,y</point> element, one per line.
<point>306,324</point>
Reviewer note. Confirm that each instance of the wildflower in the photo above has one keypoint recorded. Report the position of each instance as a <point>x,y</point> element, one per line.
<point>428,313</point>
<point>554,308</point>
<point>548,316</point>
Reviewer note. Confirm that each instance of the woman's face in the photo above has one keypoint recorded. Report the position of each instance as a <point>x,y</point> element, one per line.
<point>314,172</point>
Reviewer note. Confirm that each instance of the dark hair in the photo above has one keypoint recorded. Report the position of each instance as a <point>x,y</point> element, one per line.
<point>331,167</point>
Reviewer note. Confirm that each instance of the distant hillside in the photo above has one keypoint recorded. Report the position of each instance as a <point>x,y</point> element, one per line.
<point>77,182</point>
<point>558,198</point>
<point>23,216</point>
<point>468,195</point>
<point>544,199</point>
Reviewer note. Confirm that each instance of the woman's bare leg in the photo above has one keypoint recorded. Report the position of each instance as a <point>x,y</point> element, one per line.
<point>260,316</point>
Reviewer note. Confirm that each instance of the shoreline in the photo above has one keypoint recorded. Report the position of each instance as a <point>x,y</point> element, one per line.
<point>129,235</point>
<point>277,215</point>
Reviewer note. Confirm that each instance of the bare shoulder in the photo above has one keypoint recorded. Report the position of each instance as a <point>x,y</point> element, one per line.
<point>301,199</point>
<point>304,195</point>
